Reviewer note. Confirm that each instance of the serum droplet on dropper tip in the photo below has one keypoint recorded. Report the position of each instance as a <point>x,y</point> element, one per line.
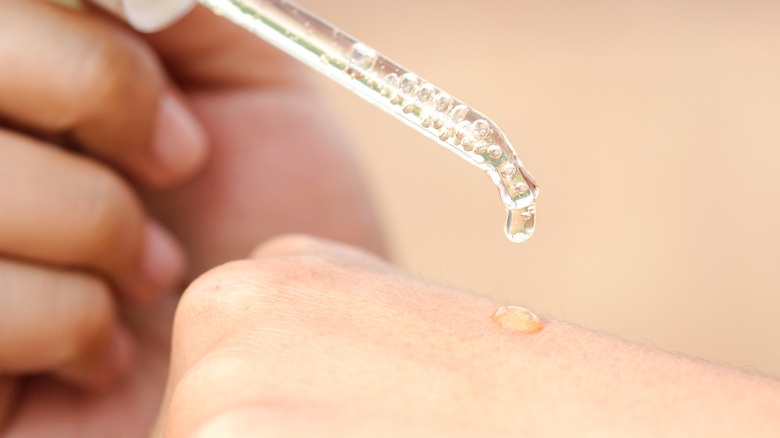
<point>520,223</point>
<point>517,319</point>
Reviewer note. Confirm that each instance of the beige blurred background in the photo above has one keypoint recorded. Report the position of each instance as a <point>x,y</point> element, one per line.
<point>653,128</point>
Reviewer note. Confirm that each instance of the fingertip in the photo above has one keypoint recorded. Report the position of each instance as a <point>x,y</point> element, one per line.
<point>179,143</point>
<point>162,265</point>
<point>102,368</point>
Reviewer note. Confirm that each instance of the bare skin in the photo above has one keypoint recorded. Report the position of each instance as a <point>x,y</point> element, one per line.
<point>218,140</point>
<point>314,339</point>
<point>73,243</point>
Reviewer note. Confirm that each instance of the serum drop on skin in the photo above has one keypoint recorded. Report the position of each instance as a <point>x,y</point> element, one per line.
<point>517,319</point>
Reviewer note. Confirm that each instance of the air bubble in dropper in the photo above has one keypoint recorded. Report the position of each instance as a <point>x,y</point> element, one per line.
<point>508,171</point>
<point>361,57</point>
<point>467,144</point>
<point>391,81</point>
<point>441,106</point>
<point>459,113</point>
<point>461,131</point>
<point>407,85</point>
<point>424,93</point>
<point>481,128</point>
<point>494,152</point>
<point>442,103</point>
<point>445,133</point>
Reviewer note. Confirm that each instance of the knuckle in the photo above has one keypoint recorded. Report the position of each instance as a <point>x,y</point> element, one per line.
<point>269,284</point>
<point>116,68</point>
<point>219,288</point>
<point>207,304</point>
<point>266,286</point>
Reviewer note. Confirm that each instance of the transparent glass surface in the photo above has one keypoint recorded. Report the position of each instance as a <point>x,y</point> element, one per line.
<point>415,101</point>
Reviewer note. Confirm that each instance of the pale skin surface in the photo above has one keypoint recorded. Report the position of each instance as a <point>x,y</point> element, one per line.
<point>313,339</point>
<point>308,338</point>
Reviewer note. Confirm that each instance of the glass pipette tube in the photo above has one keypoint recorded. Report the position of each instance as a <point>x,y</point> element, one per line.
<point>416,102</point>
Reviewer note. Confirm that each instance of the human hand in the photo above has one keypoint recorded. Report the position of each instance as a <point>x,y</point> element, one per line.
<point>316,339</point>
<point>73,233</point>
<point>243,91</point>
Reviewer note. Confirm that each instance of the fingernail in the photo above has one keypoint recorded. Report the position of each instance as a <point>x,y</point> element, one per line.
<point>179,142</point>
<point>162,261</point>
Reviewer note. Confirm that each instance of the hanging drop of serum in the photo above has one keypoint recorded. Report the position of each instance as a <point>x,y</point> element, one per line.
<point>517,319</point>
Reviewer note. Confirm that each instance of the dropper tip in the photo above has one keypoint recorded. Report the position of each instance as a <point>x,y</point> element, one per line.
<point>520,223</point>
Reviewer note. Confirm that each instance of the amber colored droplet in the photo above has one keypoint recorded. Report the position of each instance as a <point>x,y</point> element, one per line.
<point>517,319</point>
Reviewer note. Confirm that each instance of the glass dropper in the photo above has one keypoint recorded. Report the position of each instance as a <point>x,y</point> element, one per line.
<point>416,102</point>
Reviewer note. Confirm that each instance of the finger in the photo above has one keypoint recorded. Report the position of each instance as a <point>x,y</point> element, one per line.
<point>72,72</point>
<point>62,322</point>
<point>70,211</point>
